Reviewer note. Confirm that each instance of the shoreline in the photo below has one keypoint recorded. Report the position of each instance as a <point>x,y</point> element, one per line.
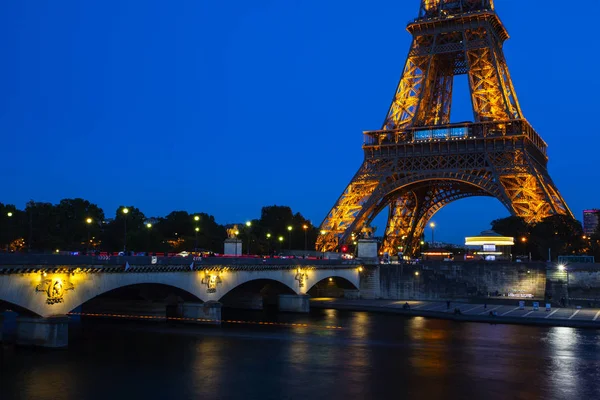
<point>384,308</point>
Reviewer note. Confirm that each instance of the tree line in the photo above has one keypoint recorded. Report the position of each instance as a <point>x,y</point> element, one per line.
<point>79,225</point>
<point>553,236</point>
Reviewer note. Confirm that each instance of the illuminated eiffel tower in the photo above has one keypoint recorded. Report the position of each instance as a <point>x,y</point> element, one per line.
<point>419,162</point>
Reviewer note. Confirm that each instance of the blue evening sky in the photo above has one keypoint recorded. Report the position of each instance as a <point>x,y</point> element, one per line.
<point>227,106</point>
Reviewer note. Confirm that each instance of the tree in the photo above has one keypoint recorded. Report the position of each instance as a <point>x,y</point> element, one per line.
<point>562,234</point>
<point>275,220</point>
<point>73,231</point>
<point>512,226</point>
<point>42,227</point>
<point>211,235</point>
<point>11,222</point>
<point>128,225</point>
<point>517,228</point>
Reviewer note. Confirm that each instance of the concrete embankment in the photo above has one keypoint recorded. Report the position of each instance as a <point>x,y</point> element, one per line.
<point>503,314</point>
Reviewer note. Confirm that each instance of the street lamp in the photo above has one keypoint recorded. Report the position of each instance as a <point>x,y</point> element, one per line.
<point>432,226</point>
<point>563,268</point>
<point>268,244</point>
<point>248,225</point>
<point>125,211</point>
<point>305,227</point>
<point>236,233</point>
<point>148,226</point>
<point>196,230</point>
<point>290,236</point>
<point>280,242</point>
<point>88,221</point>
<point>9,215</point>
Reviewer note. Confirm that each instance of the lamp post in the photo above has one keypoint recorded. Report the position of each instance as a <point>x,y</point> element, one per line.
<point>432,226</point>
<point>524,242</point>
<point>88,221</point>
<point>248,225</point>
<point>280,242</point>
<point>9,215</point>
<point>125,211</point>
<point>268,244</point>
<point>236,242</point>
<point>196,230</point>
<point>305,227</point>
<point>563,268</point>
<point>148,226</point>
<point>289,228</point>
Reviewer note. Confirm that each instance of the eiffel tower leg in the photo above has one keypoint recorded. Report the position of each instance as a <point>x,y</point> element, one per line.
<point>402,213</point>
<point>342,219</point>
<point>530,192</point>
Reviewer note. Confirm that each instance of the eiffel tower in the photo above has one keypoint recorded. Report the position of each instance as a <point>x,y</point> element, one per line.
<point>419,162</point>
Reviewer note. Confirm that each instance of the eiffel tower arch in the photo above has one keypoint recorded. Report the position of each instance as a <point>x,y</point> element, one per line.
<point>418,162</point>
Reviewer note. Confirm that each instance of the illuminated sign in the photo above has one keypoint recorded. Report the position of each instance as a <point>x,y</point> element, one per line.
<point>489,240</point>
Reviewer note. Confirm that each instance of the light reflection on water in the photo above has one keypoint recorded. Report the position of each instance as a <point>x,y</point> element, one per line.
<point>374,356</point>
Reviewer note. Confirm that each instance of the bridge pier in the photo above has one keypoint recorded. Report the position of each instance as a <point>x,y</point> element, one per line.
<point>52,332</point>
<point>201,313</point>
<point>294,303</point>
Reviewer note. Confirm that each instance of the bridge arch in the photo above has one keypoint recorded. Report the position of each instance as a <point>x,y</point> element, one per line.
<point>59,293</point>
<point>139,299</point>
<point>6,305</point>
<point>255,294</point>
<point>331,286</point>
<point>349,276</point>
<point>414,200</point>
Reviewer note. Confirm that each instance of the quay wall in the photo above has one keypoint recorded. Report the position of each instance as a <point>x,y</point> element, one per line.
<point>456,280</point>
<point>577,284</point>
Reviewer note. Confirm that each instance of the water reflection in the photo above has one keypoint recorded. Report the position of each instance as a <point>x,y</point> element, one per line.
<point>565,367</point>
<point>207,370</point>
<point>374,356</point>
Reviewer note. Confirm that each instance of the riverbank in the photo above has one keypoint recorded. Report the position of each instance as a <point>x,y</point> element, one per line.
<point>502,314</point>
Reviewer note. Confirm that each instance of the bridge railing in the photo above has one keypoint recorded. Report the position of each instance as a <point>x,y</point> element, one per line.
<point>16,260</point>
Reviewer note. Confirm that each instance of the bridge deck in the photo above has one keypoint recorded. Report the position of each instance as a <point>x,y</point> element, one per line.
<point>10,263</point>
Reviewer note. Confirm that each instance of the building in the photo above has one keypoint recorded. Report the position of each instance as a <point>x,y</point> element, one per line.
<point>491,246</point>
<point>590,221</point>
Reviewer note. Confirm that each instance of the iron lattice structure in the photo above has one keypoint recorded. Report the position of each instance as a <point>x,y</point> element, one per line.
<point>419,162</point>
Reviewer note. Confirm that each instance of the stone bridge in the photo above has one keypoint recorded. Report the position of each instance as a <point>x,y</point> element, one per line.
<point>44,289</point>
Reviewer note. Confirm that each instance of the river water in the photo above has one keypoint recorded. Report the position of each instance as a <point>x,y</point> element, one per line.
<point>338,355</point>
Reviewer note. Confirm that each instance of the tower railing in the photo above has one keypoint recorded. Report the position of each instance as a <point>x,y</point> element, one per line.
<point>452,132</point>
<point>447,8</point>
